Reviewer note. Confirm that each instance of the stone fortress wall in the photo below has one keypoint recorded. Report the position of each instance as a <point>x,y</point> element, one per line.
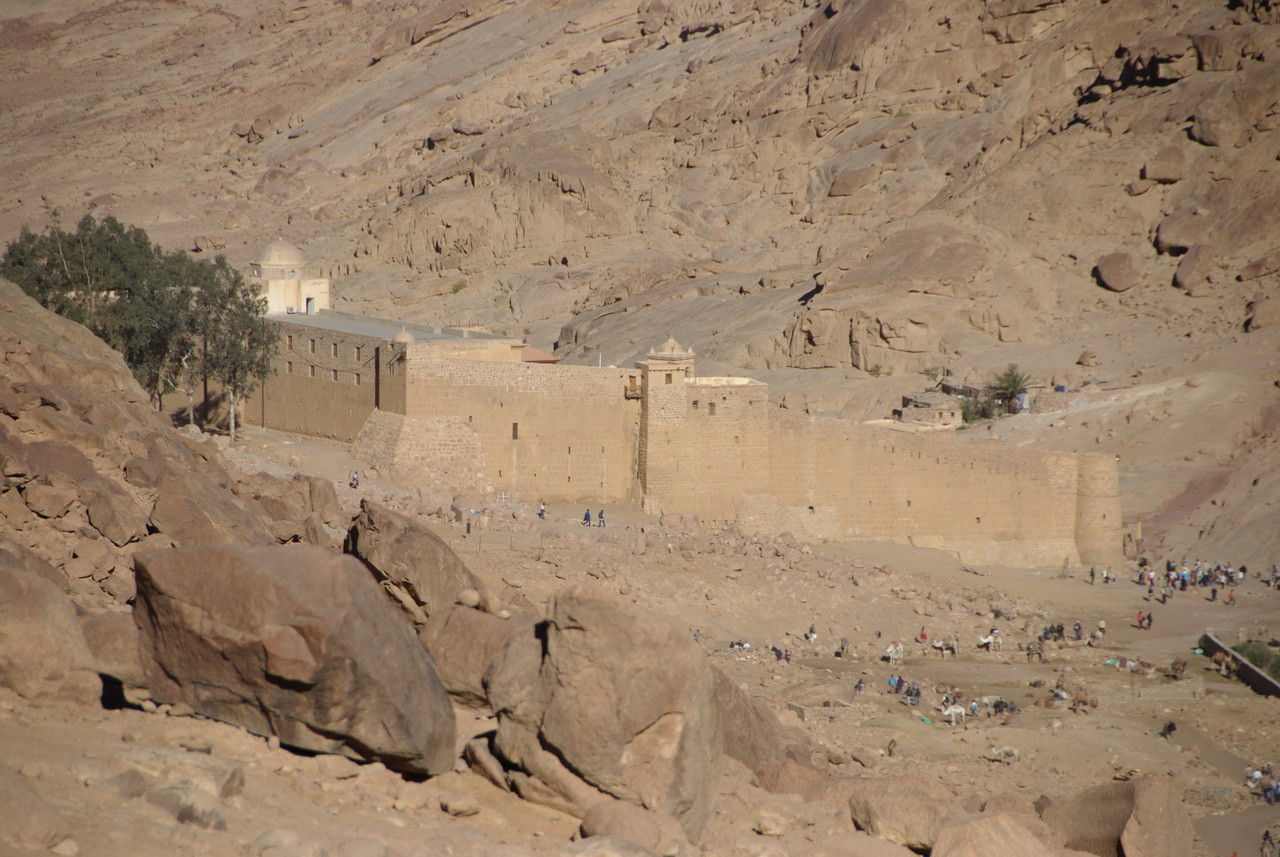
<point>327,383</point>
<point>465,409</point>
<point>548,432</point>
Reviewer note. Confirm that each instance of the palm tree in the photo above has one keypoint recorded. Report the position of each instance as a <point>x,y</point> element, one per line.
<point>1009,385</point>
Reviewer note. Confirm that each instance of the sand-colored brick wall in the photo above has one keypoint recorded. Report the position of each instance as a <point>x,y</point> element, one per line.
<point>326,383</point>
<point>990,503</point>
<point>443,450</point>
<point>706,445</point>
<point>548,432</point>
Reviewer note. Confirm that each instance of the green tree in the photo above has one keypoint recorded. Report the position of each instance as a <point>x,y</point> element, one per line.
<point>1008,385</point>
<point>175,319</point>
<point>236,344</point>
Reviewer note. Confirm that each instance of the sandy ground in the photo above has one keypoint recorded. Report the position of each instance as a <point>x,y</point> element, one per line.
<point>767,592</point>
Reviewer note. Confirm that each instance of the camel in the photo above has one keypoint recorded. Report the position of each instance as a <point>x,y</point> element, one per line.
<point>1005,755</point>
<point>1178,669</point>
<point>894,651</point>
<point>944,646</point>
<point>1224,663</point>
<point>951,711</point>
<point>1035,650</point>
<point>991,642</point>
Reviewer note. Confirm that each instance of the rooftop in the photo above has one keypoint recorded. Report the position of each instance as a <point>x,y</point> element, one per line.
<point>379,328</point>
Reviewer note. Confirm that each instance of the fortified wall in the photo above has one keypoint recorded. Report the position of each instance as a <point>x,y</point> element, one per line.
<point>476,411</point>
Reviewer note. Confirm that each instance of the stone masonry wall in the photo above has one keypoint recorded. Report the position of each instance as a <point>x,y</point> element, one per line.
<point>991,504</point>
<point>548,432</point>
<point>706,446</point>
<point>326,383</point>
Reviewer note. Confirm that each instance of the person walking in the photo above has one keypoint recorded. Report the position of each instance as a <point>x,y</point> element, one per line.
<point>542,511</point>
<point>600,519</point>
<point>586,518</point>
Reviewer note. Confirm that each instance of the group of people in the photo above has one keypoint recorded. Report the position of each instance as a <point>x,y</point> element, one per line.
<point>1262,781</point>
<point>1216,577</point>
<point>910,692</point>
<point>586,518</point>
<point>1145,619</point>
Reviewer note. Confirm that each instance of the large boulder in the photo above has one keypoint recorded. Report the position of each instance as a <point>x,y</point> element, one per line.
<point>752,733</point>
<point>1159,825</point>
<point>605,697</point>
<point>1002,834</point>
<point>43,654</point>
<point>907,810</point>
<point>1120,271</point>
<point>406,556</point>
<point>463,643</point>
<point>294,641</point>
<point>1092,820</point>
<point>661,834</point>
<point>27,820</point>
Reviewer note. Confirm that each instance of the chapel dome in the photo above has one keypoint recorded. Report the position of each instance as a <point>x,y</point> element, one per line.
<point>403,336</point>
<point>671,350</point>
<point>281,254</point>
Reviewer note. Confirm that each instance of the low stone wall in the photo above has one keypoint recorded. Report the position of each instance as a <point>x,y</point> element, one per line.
<point>1255,678</point>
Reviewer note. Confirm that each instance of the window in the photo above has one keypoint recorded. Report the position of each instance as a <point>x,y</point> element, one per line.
<point>288,367</point>
<point>333,349</point>
<point>311,370</point>
<point>711,409</point>
<point>313,346</point>
<point>695,404</point>
<point>333,374</point>
<point>515,431</point>
<point>291,342</point>
<point>358,350</point>
<point>668,377</point>
<point>357,379</point>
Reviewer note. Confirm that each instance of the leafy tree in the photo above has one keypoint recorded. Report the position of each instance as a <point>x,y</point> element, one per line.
<point>237,344</point>
<point>172,317</point>
<point>1009,384</point>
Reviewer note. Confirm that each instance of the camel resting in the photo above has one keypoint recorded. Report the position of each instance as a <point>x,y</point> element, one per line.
<point>944,646</point>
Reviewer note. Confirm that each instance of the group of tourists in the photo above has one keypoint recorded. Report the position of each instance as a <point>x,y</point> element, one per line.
<point>1262,781</point>
<point>1216,577</point>
<point>586,518</point>
<point>910,692</point>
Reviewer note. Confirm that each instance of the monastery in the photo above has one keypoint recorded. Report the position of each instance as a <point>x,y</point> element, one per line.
<point>476,410</point>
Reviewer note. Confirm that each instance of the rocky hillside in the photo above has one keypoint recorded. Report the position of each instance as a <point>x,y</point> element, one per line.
<point>831,196</point>
<point>91,474</point>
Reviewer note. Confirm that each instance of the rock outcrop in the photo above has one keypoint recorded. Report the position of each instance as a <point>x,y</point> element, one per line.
<point>910,811</point>
<point>43,654</point>
<point>606,698</point>
<point>297,642</point>
<point>417,568</point>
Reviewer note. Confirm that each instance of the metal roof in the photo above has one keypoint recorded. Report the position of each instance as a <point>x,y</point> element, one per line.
<point>378,328</point>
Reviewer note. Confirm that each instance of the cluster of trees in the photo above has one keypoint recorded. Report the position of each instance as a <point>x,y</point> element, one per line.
<point>999,398</point>
<point>177,320</point>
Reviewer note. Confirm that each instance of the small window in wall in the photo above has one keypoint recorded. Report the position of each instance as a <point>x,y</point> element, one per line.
<point>695,404</point>
<point>668,377</point>
<point>356,380</point>
<point>313,346</point>
<point>288,367</point>
<point>515,431</point>
<point>291,342</point>
<point>333,374</point>
<point>358,350</point>
<point>333,349</point>
<point>311,370</point>
<point>711,409</point>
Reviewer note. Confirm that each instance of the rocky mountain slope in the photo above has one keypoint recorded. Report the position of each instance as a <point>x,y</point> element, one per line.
<point>830,196</point>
